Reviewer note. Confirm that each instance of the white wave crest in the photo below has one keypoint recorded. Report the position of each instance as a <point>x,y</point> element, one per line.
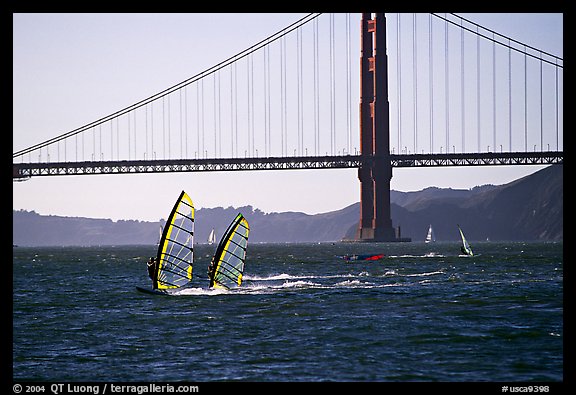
<point>425,274</point>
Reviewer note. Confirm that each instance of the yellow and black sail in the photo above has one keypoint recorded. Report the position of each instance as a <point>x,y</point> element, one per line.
<point>228,261</point>
<point>176,249</point>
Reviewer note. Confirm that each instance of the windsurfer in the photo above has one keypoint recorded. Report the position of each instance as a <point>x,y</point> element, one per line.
<point>151,267</point>
<point>211,268</point>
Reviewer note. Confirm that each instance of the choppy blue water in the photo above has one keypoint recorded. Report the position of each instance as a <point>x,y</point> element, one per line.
<point>421,314</point>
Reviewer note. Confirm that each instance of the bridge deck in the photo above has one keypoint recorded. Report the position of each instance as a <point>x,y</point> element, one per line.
<point>27,170</point>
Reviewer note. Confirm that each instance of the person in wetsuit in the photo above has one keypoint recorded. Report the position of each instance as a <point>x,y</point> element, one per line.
<point>151,268</point>
<point>211,268</point>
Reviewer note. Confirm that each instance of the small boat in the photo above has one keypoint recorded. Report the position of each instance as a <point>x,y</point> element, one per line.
<point>465,248</point>
<point>175,255</point>
<point>430,237</point>
<point>227,266</point>
<point>212,237</point>
<point>363,257</point>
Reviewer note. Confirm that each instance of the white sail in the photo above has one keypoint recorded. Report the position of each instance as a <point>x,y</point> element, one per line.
<point>212,237</point>
<point>466,249</point>
<point>430,237</point>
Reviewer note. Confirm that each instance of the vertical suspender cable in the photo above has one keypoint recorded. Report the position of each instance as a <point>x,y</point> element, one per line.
<point>431,82</point>
<point>169,136</point>
<point>478,84</point>
<point>332,87</point>
<point>203,150</point>
<point>317,86</point>
<point>269,108</point>
<point>298,86</point>
<point>163,128</point>
<point>285,108</point>
<point>447,86</point>
<point>265,96</point>
<point>215,115</point>
<point>415,89</point>
<point>236,106</point>
<point>557,109</point>
<point>198,153</point>
<point>509,97</point>
<point>315,81</point>
<point>268,104</point>
<point>181,124</point>
<point>462,86</point>
<point>525,101</point>
<point>300,92</point>
<point>93,143</point>
<point>84,134</point>
<point>111,142</point>
<point>494,91</point>
<point>232,109</point>
<point>252,103</point>
<point>399,81</point>
<point>100,138</point>
<point>282,92</point>
<point>248,102</point>
<point>186,121</point>
<point>129,141</point>
<point>135,137</point>
<point>541,108</point>
<point>348,83</point>
<point>219,114</point>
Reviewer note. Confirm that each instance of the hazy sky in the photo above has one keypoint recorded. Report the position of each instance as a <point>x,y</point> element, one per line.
<point>70,69</point>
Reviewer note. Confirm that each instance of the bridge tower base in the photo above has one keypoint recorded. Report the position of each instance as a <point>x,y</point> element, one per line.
<point>375,219</point>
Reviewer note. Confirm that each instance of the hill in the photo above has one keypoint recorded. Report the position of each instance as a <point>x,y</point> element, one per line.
<point>530,208</point>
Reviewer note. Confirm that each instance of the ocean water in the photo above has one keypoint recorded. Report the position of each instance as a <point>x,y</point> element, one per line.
<point>423,313</point>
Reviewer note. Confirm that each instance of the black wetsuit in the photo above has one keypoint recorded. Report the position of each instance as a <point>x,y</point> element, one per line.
<point>151,269</point>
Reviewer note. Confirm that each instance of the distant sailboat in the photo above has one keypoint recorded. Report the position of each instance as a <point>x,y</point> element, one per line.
<point>465,248</point>
<point>212,237</point>
<point>160,233</point>
<point>430,237</point>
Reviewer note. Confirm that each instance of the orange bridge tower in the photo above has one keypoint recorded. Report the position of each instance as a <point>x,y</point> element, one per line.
<point>376,173</point>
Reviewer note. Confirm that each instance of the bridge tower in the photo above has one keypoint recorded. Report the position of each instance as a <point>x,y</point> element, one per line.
<point>375,219</point>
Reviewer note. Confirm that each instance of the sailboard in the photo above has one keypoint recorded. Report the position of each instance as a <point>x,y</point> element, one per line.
<point>227,264</point>
<point>430,237</point>
<point>175,254</point>
<point>363,257</point>
<point>465,248</point>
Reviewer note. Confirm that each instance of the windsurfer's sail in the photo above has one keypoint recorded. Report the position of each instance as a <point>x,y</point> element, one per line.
<point>212,237</point>
<point>430,236</point>
<point>228,262</point>
<point>176,249</point>
<point>465,246</point>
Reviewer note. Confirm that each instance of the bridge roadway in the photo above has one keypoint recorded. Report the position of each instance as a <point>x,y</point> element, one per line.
<point>22,171</point>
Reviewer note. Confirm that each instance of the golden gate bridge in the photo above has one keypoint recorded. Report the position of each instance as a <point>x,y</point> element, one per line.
<point>435,90</point>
